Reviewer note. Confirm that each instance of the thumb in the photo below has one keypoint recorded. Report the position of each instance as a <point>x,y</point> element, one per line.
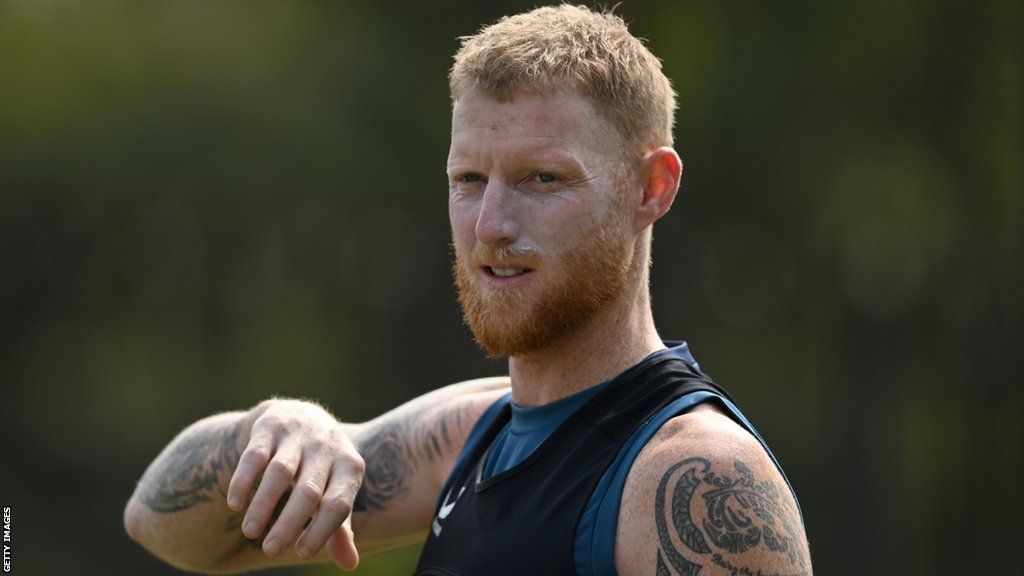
<point>341,546</point>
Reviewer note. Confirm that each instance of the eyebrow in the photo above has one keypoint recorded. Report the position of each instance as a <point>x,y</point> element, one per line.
<point>529,156</point>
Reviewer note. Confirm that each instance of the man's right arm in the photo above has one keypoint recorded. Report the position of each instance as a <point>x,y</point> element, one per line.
<point>295,471</point>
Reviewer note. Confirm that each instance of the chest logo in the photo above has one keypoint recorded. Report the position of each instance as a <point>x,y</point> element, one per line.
<point>445,510</point>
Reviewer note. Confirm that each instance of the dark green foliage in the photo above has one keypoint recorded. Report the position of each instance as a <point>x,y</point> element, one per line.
<point>205,204</point>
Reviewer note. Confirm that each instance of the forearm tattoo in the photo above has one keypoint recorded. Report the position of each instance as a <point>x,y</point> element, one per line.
<point>736,512</point>
<point>190,473</point>
<point>395,448</point>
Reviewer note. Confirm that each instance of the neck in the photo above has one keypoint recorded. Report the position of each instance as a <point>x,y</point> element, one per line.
<point>614,340</point>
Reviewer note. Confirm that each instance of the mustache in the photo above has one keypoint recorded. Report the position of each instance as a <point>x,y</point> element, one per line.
<point>511,254</point>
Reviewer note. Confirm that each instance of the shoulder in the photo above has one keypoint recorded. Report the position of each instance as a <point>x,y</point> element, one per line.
<point>703,497</point>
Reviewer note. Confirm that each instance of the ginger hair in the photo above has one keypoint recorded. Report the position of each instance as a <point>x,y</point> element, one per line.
<point>572,47</point>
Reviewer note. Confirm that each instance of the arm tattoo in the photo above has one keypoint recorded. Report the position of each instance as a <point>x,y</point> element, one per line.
<point>190,472</point>
<point>387,453</point>
<point>693,539</point>
<point>739,514</point>
<point>395,448</point>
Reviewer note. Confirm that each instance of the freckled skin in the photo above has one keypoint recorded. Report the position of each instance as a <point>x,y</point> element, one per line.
<point>530,179</point>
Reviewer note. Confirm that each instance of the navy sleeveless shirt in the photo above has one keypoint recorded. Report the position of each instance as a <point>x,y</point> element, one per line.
<point>524,520</point>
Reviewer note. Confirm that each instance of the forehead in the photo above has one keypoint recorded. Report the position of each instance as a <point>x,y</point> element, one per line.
<point>563,120</point>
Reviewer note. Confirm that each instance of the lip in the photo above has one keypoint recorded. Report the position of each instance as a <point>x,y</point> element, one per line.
<point>506,281</point>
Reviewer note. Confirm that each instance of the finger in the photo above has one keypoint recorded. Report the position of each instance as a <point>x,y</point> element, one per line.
<point>277,478</point>
<point>342,546</point>
<point>335,507</point>
<point>251,465</point>
<point>302,503</point>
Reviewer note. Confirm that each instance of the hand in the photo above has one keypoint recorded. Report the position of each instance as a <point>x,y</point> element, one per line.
<point>299,445</point>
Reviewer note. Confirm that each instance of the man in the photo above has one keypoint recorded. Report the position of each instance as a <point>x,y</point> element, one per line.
<point>612,454</point>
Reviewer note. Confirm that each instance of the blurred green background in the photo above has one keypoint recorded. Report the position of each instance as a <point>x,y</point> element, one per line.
<point>203,204</point>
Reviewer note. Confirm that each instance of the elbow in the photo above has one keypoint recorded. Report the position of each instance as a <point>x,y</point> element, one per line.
<point>132,523</point>
<point>135,525</point>
<point>149,538</point>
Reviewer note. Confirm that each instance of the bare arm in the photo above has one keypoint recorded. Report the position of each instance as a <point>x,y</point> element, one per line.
<point>184,488</point>
<point>410,452</point>
<point>703,498</point>
<point>295,471</point>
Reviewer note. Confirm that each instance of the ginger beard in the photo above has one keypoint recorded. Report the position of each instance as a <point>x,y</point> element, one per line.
<point>582,281</point>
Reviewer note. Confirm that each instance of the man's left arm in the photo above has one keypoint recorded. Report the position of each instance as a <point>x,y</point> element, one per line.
<point>704,498</point>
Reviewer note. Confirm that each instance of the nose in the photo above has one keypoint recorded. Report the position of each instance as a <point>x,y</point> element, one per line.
<point>496,223</point>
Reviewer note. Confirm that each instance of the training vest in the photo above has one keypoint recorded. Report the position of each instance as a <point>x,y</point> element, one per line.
<point>522,522</point>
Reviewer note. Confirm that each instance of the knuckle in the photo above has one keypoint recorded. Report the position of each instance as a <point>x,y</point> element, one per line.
<point>281,467</point>
<point>308,490</point>
<point>267,404</point>
<point>336,506</point>
<point>258,453</point>
<point>274,423</point>
<point>353,461</point>
<point>317,444</point>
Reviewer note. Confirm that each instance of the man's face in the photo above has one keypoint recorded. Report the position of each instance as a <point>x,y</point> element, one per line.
<point>539,225</point>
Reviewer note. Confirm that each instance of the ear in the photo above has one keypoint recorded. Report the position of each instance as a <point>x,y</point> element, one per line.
<point>661,170</point>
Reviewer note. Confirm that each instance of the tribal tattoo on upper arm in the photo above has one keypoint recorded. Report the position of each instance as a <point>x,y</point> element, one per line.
<point>714,516</point>
<point>395,448</point>
<point>191,472</point>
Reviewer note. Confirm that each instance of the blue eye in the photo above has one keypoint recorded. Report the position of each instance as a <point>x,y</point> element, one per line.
<point>472,177</point>
<point>546,178</point>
